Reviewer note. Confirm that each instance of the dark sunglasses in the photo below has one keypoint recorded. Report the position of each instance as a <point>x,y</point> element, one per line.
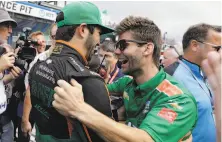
<point>122,44</point>
<point>217,47</point>
<point>101,64</point>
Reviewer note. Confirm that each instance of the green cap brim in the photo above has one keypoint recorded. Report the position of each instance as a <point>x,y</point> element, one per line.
<point>106,30</point>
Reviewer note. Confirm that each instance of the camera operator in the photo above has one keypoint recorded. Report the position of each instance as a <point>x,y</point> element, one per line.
<point>40,38</point>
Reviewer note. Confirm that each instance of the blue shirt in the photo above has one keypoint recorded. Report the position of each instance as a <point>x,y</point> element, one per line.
<point>189,74</point>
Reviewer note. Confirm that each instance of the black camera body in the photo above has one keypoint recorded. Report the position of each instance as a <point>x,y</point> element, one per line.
<point>27,52</point>
<point>25,57</point>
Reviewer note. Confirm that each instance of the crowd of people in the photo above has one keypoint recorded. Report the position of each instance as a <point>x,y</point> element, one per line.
<point>83,89</point>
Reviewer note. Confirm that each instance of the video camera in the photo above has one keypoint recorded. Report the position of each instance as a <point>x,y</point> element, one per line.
<point>24,40</point>
<point>27,51</point>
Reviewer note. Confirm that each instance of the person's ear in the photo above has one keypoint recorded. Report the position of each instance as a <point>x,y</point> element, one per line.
<point>149,49</point>
<point>82,30</point>
<point>194,45</point>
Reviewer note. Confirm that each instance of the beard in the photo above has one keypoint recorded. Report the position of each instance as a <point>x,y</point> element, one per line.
<point>90,45</point>
<point>133,67</point>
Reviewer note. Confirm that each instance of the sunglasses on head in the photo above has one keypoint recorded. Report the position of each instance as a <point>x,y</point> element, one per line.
<point>217,47</point>
<point>123,43</point>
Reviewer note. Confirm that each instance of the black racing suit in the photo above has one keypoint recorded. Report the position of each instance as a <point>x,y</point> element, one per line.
<point>64,63</point>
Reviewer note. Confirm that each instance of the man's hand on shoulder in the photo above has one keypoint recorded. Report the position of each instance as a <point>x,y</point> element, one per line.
<point>68,98</point>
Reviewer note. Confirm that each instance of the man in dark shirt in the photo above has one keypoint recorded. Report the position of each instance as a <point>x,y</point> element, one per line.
<point>76,37</point>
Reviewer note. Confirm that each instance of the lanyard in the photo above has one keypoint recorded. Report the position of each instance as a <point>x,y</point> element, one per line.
<point>183,64</point>
<point>114,76</point>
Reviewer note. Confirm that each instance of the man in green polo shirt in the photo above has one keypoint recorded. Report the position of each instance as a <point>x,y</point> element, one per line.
<point>157,107</point>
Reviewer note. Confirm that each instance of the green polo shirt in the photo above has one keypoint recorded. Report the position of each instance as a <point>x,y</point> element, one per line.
<point>161,106</point>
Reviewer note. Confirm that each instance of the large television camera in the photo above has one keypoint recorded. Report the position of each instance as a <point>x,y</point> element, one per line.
<point>27,52</point>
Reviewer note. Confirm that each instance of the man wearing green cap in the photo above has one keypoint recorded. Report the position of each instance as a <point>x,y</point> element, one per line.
<point>79,28</point>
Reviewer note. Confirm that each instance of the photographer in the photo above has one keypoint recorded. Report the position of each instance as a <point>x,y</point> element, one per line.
<point>39,36</point>
<point>10,75</point>
<point>8,72</point>
<point>14,71</point>
<point>6,24</point>
<point>6,60</point>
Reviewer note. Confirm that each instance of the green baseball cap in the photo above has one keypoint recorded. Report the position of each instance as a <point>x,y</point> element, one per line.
<point>82,12</point>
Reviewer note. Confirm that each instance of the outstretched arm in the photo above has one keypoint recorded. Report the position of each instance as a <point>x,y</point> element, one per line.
<point>72,105</point>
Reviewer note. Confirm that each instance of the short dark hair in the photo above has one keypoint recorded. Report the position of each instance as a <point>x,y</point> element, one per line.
<point>197,32</point>
<point>142,29</point>
<point>67,32</point>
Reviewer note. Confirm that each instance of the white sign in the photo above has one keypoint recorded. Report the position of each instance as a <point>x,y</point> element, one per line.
<point>28,10</point>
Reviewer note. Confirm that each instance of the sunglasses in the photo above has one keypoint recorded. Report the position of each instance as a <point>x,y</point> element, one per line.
<point>217,47</point>
<point>101,64</point>
<point>122,44</point>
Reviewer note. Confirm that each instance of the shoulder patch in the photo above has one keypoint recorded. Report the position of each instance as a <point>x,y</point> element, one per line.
<point>48,61</point>
<point>167,114</point>
<point>57,49</point>
<point>168,88</point>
